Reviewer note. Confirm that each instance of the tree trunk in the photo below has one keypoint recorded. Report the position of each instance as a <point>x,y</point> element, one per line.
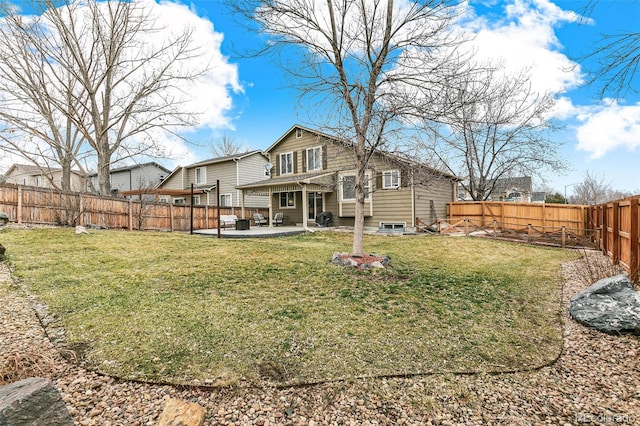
<point>358,226</point>
<point>65,183</point>
<point>104,172</point>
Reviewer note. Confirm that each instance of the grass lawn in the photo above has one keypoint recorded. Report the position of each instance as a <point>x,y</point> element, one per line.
<point>190,309</point>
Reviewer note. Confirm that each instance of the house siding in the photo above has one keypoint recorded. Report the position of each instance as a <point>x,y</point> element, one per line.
<point>251,169</point>
<point>175,180</point>
<point>440,192</point>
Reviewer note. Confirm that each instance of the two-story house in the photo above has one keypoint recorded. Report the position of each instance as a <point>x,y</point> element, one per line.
<point>230,171</point>
<point>137,177</point>
<point>311,173</point>
<point>42,177</point>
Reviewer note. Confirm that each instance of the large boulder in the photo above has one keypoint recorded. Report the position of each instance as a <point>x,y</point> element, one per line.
<point>178,412</point>
<point>610,305</point>
<point>32,402</point>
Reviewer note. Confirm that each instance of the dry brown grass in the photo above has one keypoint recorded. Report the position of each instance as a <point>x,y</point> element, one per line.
<point>32,363</point>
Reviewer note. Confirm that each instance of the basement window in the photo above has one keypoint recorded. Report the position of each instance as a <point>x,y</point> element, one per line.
<point>392,226</point>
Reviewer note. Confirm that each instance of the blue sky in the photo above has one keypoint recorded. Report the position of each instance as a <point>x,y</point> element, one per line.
<point>251,100</point>
<point>602,137</point>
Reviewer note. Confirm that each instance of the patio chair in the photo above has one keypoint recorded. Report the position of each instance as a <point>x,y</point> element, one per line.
<point>259,220</point>
<point>278,219</point>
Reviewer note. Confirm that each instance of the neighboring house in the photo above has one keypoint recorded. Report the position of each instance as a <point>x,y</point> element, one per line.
<point>42,177</point>
<point>230,171</point>
<point>517,189</point>
<point>133,178</point>
<point>313,173</point>
<point>538,197</point>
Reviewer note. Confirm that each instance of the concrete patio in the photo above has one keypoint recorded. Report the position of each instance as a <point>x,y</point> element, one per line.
<point>257,232</point>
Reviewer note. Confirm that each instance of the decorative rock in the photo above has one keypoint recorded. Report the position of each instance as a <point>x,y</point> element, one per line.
<point>178,412</point>
<point>81,230</point>
<point>33,401</point>
<point>611,305</point>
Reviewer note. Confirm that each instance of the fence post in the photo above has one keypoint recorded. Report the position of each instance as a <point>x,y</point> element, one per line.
<point>564,236</point>
<point>615,228</point>
<point>19,208</point>
<point>131,214</point>
<point>81,208</point>
<point>171,217</point>
<point>529,233</point>
<point>495,228</point>
<point>439,226</point>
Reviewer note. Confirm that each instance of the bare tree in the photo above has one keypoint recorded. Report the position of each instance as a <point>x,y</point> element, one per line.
<point>617,57</point>
<point>37,102</point>
<point>592,190</point>
<point>366,62</point>
<point>497,131</point>
<point>227,146</point>
<point>111,86</point>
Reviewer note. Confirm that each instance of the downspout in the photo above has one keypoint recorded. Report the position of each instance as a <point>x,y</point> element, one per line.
<point>238,192</point>
<point>413,202</point>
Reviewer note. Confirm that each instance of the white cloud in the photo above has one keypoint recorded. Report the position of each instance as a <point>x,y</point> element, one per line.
<point>608,127</point>
<point>525,39</point>
<point>211,94</point>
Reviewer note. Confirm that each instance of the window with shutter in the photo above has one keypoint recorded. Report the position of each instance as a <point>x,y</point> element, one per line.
<point>391,179</point>
<point>286,163</point>
<point>314,159</point>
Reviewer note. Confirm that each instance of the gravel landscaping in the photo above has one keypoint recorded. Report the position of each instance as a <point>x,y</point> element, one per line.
<point>595,380</point>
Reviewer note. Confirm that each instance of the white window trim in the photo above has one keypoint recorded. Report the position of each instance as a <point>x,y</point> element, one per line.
<point>203,175</point>
<point>180,201</point>
<point>392,225</point>
<point>196,200</point>
<point>319,148</point>
<point>280,200</point>
<point>230,195</point>
<point>367,179</point>
<point>390,173</point>
<point>163,199</point>
<point>284,155</point>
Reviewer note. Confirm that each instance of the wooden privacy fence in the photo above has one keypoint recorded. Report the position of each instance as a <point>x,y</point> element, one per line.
<point>518,216</point>
<point>51,207</point>
<point>563,225</point>
<point>618,224</point>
